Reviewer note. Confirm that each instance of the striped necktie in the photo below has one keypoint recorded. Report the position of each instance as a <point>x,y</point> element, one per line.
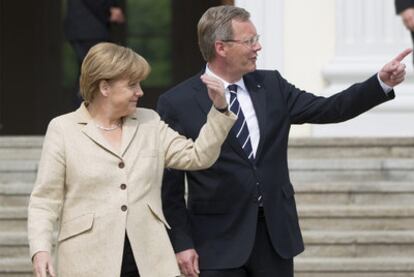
<point>242,133</point>
<point>240,127</point>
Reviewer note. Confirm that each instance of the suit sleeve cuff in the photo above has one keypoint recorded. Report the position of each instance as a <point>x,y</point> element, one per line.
<point>386,88</point>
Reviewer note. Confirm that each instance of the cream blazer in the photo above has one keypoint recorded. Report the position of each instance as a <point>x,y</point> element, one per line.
<point>95,194</point>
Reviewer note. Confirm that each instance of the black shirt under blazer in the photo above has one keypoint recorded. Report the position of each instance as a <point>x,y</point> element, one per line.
<point>220,222</point>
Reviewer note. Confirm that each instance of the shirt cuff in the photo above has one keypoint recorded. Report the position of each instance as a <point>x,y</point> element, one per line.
<point>386,88</point>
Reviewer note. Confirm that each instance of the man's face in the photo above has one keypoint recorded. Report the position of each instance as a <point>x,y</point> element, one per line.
<point>242,48</point>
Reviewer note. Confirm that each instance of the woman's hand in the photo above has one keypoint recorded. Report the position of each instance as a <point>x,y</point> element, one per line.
<point>215,91</point>
<point>42,265</point>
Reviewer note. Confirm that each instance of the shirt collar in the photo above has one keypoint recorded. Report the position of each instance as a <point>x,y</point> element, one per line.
<point>239,83</point>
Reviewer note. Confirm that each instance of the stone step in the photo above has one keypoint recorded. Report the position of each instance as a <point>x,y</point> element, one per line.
<point>21,141</point>
<point>354,193</point>
<point>13,245</point>
<point>304,267</point>
<point>318,244</point>
<point>300,165</point>
<point>322,148</point>
<point>15,194</point>
<point>14,200</point>
<point>13,219</point>
<point>356,217</point>
<point>16,188</point>
<point>24,176</point>
<point>15,267</point>
<point>354,267</point>
<point>327,193</point>
<point>16,245</point>
<point>20,154</point>
<point>20,147</point>
<point>18,165</point>
<point>362,244</point>
<point>312,217</point>
<point>300,170</point>
<point>322,170</point>
<point>18,171</point>
<point>298,147</point>
<point>382,164</point>
<point>28,274</point>
<point>352,274</point>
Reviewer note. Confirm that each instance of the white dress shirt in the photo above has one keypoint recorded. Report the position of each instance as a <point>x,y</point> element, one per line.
<point>246,106</point>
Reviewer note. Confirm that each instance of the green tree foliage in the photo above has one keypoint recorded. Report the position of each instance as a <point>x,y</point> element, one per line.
<point>149,34</point>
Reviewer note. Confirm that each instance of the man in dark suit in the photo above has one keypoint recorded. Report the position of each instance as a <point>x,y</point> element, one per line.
<point>405,8</point>
<point>240,218</point>
<point>87,23</point>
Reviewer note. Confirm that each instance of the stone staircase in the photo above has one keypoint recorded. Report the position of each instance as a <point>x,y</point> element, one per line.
<point>18,163</point>
<point>355,199</point>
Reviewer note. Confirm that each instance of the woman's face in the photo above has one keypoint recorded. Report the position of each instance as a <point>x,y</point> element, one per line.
<point>123,95</point>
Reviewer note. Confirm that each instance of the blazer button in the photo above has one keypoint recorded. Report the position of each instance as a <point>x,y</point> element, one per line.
<point>121,165</point>
<point>124,208</point>
<point>123,186</point>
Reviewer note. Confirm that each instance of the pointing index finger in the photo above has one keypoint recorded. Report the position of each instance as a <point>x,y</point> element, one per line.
<point>403,54</point>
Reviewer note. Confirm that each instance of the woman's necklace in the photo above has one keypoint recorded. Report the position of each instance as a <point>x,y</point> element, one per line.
<point>108,129</point>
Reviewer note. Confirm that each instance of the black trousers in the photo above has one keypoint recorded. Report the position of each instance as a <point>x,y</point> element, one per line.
<point>263,261</point>
<point>129,266</point>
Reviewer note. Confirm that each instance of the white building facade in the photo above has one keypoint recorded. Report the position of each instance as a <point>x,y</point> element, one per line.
<point>324,46</point>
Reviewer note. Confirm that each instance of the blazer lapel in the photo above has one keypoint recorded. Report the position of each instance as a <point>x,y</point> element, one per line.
<point>129,129</point>
<point>91,131</point>
<point>258,96</point>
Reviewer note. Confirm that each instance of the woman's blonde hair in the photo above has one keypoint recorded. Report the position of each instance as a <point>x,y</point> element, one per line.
<point>108,61</point>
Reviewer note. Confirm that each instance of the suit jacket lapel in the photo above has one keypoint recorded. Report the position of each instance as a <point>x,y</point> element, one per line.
<point>204,101</point>
<point>129,130</point>
<point>258,96</point>
<point>90,130</point>
<point>201,94</point>
<point>94,134</point>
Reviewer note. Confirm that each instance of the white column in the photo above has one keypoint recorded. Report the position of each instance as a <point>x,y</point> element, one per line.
<point>267,16</point>
<point>369,34</point>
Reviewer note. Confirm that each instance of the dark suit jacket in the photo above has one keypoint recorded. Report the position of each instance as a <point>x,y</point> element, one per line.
<point>220,220</point>
<point>88,19</point>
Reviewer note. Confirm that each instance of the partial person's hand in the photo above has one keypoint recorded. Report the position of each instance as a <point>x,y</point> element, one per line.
<point>393,73</point>
<point>116,15</point>
<point>215,89</point>
<point>42,265</point>
<point>188,262</point>
<point>408,18</point>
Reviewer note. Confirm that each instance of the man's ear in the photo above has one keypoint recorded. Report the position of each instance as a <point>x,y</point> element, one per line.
<point>221,48</point>
<point>104,87</point>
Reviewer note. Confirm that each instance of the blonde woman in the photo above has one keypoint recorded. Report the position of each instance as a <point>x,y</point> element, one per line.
<point>100,174</point>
